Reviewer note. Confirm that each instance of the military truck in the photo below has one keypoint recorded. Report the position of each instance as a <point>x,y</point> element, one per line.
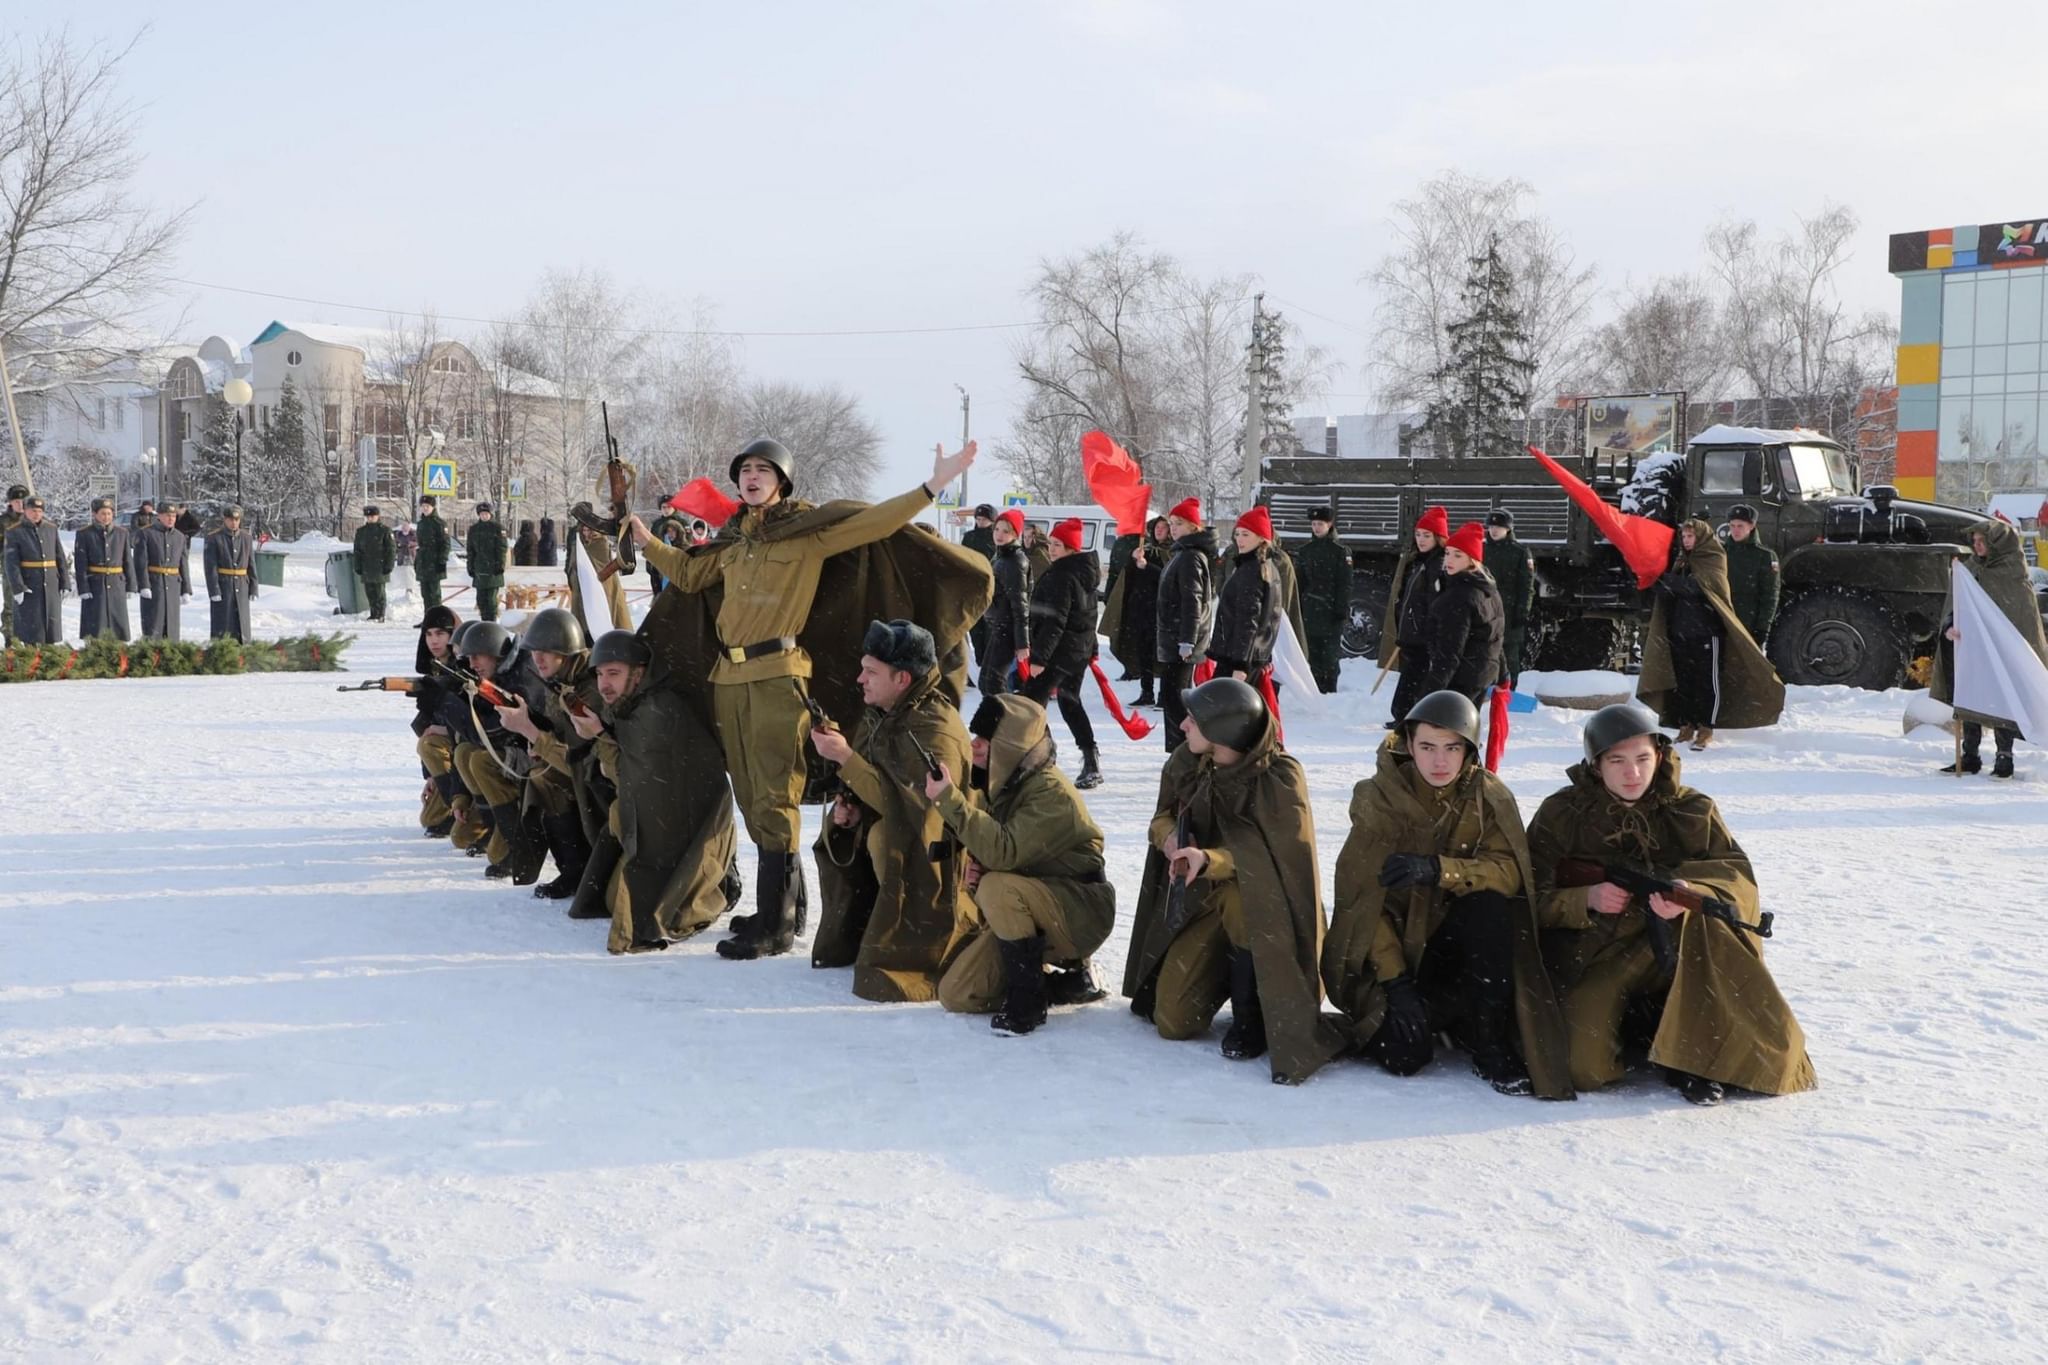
<point>1864,573</point>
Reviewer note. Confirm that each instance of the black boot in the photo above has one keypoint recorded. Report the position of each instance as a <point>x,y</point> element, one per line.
<point>1696,1089</point>
<point>1023,985</point>
<point>571,852</point>
<point>1073,983</point>
<point>590,902</point>
<point>778,893</point>
<point>1091,773</point>
<point>2001,766</point>
<point>526,851</point>
<point>1973,764</point>
<point>1145,694</point>
<point>441,830</point>
<point>1246,1037</point>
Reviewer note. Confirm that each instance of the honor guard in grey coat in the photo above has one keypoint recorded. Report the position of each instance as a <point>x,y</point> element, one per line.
<point>9,519</point>
<point>166,573</point>
<point>230,561</point>
<point>105,563</point>
<point>37,577</point>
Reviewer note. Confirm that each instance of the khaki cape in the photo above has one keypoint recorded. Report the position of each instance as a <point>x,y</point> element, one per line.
<point>1752,696</point>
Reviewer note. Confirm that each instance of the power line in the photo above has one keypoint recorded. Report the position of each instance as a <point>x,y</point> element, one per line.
<point>1334,322</point>
<point>662,331</point>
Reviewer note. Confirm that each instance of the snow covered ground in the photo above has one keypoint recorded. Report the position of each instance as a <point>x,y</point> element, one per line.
<point>282,1080</point>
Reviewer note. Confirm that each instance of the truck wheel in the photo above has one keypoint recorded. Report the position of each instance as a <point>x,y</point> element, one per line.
<point>1370,589</point>
<point>1588,642</point>
<point>1838,638</point>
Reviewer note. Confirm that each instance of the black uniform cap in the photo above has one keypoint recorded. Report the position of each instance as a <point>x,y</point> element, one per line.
<point>99,503</point>
<point>36,503</point>
<point>16,492</point>
<point>1324,515</point>
<point>483,507</point>
<point>428,500</point>
<point>986,509</point>
<point>901,644</point>
<point>371,511</point>
<point>1742,511</point>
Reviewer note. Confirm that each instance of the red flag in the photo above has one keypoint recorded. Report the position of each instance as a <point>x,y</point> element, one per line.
<point>1135,725</point>
<point>1497,727</point>
<point>1272,696</point>
<point>701,498</point>
<point>1644,544</point>
<point>1113,477</point>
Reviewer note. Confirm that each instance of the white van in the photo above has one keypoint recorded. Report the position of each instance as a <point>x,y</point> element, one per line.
<point>1098,528</point>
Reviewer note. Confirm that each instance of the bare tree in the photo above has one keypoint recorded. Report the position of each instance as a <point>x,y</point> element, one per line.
<point>506,414</point>
<point>686,416</point>
<point>1666,336</point>
<point>407,359</point>
<point>583,337</point>
<point>1095,355</point>
<point>835,445</point>
<point>78,256</point>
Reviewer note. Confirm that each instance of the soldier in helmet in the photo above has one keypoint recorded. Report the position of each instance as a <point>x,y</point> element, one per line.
<point>895,908</point>
<point>164,560</point>
<point>766,566</point>
<point>1635,969</point>
<point>675,836</point>
<point>1231,906</point>
<point>106,574</point>
<point>228,559</point>
<point>485,550</point>
<point>560,655</point>
<point>494,760</point>
<point>376,557</point>
<point>446,716</point>
<point>37,576</point>
<point>1433,931</point>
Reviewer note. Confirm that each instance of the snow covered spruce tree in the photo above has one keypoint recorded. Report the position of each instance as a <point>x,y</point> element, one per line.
<point>278,468</point>
<point>1271,386</point>
<point>212,476</point>
<point>1483,388</point>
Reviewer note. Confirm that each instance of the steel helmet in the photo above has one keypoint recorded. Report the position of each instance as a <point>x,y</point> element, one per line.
<point>555,631</point>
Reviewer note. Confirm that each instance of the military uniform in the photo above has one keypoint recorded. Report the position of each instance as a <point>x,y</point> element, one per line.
<point>9,519</point>
<point>430,556</point>
<point>1701,668</point>
<point>376,557</point>
<point>1041,863</point>
<point>1514,573</point>
<point>228,559</point>
<point>1323,569</point>
<point>1753,584</point>
<point>894,907</point>
<point>485,548</point>
<point>164,561</point>
<point>105,562</point>
<point>37,577</point>
<point>1715,1012</point>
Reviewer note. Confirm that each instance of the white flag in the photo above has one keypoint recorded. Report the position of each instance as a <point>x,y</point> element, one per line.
<point>597,610</point>
<point>1291,670</point>
<point>1997,673</point>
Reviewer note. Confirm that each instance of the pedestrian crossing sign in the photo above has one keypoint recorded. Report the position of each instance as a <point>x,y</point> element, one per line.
<point>438,476</point>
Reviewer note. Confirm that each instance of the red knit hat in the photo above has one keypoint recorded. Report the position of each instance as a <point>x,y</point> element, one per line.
<point>1068,533</point>
<point>1013,517</point>
<point>1258,521</point>
<point>1190,510</point>
<point>1471,538</point>
<point>1436,521</point>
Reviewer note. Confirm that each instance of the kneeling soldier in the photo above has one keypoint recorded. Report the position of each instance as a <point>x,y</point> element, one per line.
<point>1696,982</point>
<point>1042,887</point>
<point>673,814</point>
<point>1231,906</point>
<point>1433,931</point>
<point>493,759</point>
<point>432,696</point>
<point>560,652</point>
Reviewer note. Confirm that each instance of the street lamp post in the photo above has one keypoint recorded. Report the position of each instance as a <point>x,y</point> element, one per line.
<point>238,395</point>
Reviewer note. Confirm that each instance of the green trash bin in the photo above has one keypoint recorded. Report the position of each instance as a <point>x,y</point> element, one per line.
<point>270,568</point>
<point>343,585</point>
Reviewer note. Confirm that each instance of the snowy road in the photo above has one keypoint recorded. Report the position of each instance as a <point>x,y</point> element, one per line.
<point>282,1080</point>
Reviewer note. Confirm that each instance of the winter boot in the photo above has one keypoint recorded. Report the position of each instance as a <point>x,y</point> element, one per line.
<point>525,850</point>
<point>1246,1038</point>
<point>1024,998</point>
<point>1091,773</point>
<point>441,830</point>
<point>771,930</point>
<point>571,852</point>
<point>1973,764</point>
<point>1073,983</point>
<point>1702,737</point>
<point>1146,696</point>
<point>2001,766</point>
<point>1684,735</point>
<point>1502,1070</point>
<point>591,893</point>
<point>1696,1089</point>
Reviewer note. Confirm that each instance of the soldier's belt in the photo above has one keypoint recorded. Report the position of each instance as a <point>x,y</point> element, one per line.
<point>38,563</point>
<point>161,568</point>
<point>233,573</point>
<point>105,568</point>
<point>740,654</point>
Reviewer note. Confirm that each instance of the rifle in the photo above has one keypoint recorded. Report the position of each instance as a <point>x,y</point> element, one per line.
<point>615,485</point>
<point>819,720</point>
<point>931,764</point>
<point>1641,884</point>
<point>406,685</point>
<point>474,685</point>
<point>565,693</point>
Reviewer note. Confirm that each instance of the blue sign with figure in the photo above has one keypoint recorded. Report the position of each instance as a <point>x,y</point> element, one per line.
<point>438,476</point>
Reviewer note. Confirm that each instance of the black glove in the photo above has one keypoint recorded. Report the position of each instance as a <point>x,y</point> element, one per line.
<point>1405,1014</point>
<point>1411,869</point>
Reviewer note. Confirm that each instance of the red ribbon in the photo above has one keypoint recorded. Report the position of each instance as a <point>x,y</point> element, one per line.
<point>1134,725</point>
<point>1496,727</point>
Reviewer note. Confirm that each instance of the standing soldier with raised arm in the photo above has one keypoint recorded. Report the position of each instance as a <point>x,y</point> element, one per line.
<point>106,574</point>
<point>164,561</point>
<point>766,566</point>
<point>430,557</point>
<point>227,557</point>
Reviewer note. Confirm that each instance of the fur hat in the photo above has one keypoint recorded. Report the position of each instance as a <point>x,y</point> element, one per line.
<point>1471,538</point>
<point>440,617</point>
<point>1742,511</point>
<point>1500,516</point>
<point>1324,515</point>
<point>1068,533</point>
<point>1436,521</point>
<point>901,644</point>
<point>987,717</point>
<point>1258,521</point>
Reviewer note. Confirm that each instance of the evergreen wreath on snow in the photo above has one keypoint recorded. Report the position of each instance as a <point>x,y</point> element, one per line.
<point>106,657</point>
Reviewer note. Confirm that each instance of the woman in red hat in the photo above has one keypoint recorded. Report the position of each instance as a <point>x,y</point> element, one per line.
<point>1416,581</point>
<point>1250,604</point>
<point>1466,622</point>
<point>1185,614</point>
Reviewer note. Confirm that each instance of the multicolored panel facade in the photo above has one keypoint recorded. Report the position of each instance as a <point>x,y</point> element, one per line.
<point>1973,384</point>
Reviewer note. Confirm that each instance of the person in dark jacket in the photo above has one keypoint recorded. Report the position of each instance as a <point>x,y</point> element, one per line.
<point>1752,574</point>
<point>104,564</point>
<point>1694,631</point>
<point>1323,568</point>
<point>1415,586</point>
<point>1008,617</point>
<point>1063,639</point>
<point>485,548</point>
<point>38,577</point>
<point>1463,635</point>
<point>430,560</point>
<point>546,550</point>
<point>376,557</point>
<point>981,539</point>
<point>1250,604</point>
<point>1186,615</point>
<point>1514,573</point>
<point>1138,625</point>
<point>524,548</point>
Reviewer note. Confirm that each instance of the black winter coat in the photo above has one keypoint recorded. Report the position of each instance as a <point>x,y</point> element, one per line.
<point>1248,613</point>
<point>1418,592</point>
<point>1008,617</point>
<point>1187,598</point>
<point>1466,623</point>
<point>1063,615</point>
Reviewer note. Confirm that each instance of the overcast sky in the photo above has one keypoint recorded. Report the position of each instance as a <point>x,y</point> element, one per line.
<point>898,165</point>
